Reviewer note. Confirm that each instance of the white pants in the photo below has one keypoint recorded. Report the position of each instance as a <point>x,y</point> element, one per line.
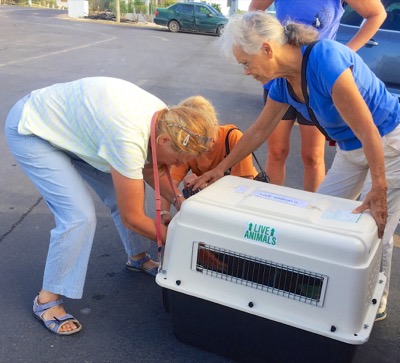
<point>349,177</point>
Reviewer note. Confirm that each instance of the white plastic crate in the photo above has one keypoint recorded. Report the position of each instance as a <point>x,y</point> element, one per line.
<point>296,258</point>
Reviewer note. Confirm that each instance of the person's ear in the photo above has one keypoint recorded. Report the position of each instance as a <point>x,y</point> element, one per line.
<point>267,49</point>
<point>163,140</point>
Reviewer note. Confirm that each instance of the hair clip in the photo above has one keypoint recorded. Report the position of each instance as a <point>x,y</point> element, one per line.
<point>186,140</point>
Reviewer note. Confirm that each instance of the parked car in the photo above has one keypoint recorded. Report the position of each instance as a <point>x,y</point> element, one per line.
<point>382,52</point>
<point>191,16</point>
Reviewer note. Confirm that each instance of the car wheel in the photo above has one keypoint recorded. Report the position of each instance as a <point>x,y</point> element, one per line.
<point>220,30</point>
<point>174,26</point>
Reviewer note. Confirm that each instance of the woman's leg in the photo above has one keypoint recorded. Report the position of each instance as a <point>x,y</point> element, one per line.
<point>346,176</point>
<point>278,146</point>
<point>68,198</point>
<point>313,155</point>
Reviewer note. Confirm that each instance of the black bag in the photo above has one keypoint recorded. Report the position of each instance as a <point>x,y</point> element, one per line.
<point>188,192</point>
<point>261,176</point>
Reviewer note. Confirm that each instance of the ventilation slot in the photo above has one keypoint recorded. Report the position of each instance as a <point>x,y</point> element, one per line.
<point>279,279</point>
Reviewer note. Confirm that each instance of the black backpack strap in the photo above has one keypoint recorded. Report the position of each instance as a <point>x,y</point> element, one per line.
<point>305,90</point>
<point>227,148</point>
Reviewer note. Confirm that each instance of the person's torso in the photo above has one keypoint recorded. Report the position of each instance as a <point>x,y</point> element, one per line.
<point>323,15</point>
<point>327,61</point>
<point>104,121</point>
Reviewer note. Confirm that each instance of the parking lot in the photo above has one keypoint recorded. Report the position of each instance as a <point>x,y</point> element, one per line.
<point>121,312</point>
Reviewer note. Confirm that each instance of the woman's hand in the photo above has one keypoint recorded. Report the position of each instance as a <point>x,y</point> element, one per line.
<point>376,202</point>
<point>206,179</point>
<point>166,217</point>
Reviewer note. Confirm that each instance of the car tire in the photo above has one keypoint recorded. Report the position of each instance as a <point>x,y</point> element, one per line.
<point>220,28</point>
<point>174,26</point>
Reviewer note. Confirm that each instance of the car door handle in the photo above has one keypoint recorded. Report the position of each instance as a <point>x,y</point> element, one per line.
<point>371,43</point>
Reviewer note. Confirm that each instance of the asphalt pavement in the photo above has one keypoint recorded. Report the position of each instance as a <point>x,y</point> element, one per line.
<point>121,312</point>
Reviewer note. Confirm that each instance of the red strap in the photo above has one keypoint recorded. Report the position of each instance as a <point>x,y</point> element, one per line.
<point>157,181</point>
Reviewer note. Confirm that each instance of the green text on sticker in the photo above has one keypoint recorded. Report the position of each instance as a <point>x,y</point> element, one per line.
<point>261,233</point>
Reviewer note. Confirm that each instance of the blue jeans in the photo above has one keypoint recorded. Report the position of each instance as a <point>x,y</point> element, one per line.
<point>62,179</point>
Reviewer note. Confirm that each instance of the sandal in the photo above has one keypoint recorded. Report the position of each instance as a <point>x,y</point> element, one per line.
<point>137,266</point>
<point>55,324</point>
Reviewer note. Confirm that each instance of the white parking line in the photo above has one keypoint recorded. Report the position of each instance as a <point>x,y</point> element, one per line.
<point>55,53</point>
<point>164,39</point>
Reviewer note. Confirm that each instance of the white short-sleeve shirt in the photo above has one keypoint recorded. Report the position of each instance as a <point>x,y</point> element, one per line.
<point>104,121</point>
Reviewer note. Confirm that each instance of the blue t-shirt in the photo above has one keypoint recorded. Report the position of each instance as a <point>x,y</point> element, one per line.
<point>327,61</point>
<point>323,15</point>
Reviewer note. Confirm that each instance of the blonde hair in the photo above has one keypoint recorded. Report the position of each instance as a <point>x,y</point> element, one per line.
<point>202,104</point>
<point>189,128</point>
<point>250,30</point>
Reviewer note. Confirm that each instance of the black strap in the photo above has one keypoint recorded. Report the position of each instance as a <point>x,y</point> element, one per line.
<point>227,148</point>
<point>305,90</point>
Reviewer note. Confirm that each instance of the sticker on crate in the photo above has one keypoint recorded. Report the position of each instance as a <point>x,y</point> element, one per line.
<point>261,233</point>
<point>280,198</point>
<point>341,215</point>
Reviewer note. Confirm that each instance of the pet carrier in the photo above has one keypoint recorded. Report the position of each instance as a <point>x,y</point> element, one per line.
<point>263,273</point>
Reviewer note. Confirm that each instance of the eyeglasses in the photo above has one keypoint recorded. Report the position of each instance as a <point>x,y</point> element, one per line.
<point>246,66</point>
<point>202,140</point>
<point>249,64</point>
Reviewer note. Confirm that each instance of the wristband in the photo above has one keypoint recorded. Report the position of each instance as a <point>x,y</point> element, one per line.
<point>176,199</point>
<point>164,212</point>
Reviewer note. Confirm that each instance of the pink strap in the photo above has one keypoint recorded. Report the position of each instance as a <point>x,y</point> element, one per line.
<point>157,181</point>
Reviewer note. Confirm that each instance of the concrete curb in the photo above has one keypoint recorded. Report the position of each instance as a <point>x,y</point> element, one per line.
<point>141,24</point>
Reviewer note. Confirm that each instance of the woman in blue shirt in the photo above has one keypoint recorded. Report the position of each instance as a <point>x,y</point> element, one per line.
<point>324,16</point>
<point>351,104</point>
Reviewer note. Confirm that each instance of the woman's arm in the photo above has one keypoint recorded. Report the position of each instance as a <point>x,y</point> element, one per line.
<point>254,136</point>
<point>166,191</point>
<point>245,167</point>
<point>260,4</point>
<point>130,199</point>
<point>166,205</point>
<point>355,113</point>
<point>374,13</point>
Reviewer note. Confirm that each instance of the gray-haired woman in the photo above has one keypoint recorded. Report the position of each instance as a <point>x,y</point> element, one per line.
<point>350,103</point>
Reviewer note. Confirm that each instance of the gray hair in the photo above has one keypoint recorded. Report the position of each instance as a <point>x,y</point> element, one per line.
<point>250,30</point>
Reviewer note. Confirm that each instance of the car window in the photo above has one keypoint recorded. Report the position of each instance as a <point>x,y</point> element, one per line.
<point>351,17</point>
<point>202,10</point>
<point>185,9</point>
<point>392,21</point>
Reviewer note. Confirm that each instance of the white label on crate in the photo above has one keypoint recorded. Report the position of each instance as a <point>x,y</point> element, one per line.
<point>242,189</point>
<point>261,233</point>
<point>280,198</point>
<point>341,215</point>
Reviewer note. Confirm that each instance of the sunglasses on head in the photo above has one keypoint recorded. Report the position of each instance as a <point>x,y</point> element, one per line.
<point>202,140</point>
